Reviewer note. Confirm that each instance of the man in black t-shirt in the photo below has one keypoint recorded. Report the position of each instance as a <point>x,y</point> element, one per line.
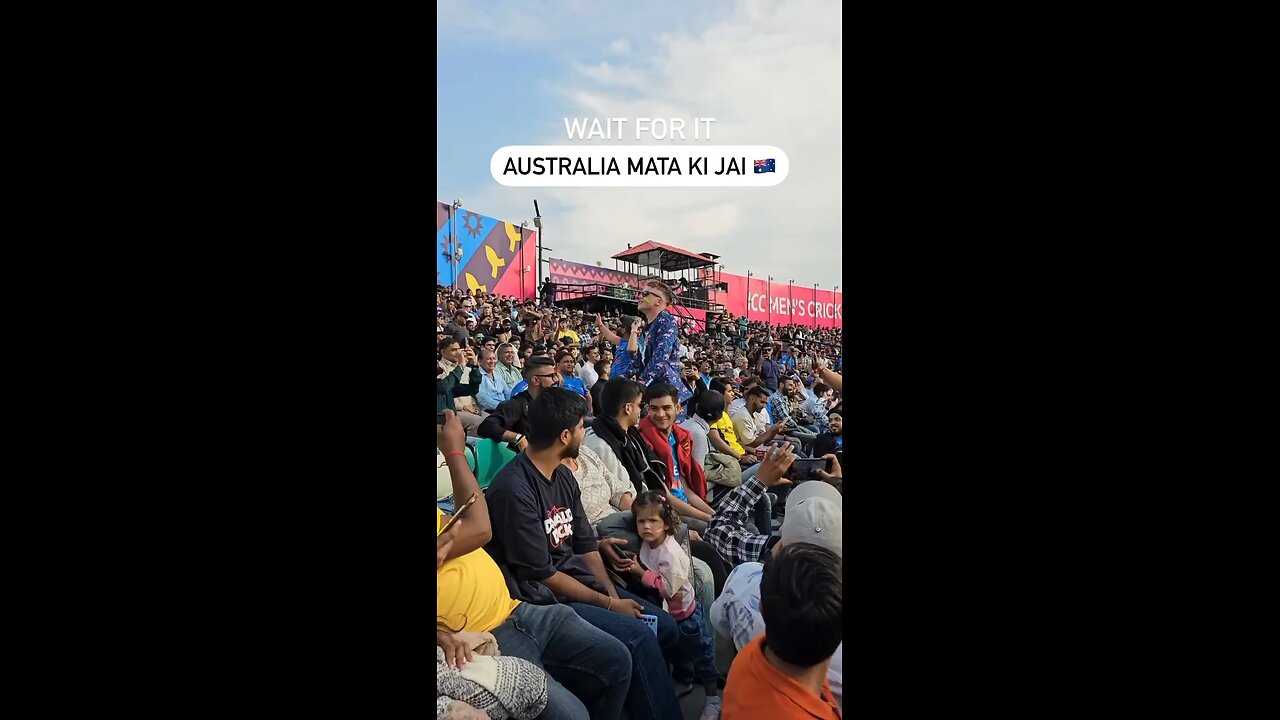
<point>548,551</point>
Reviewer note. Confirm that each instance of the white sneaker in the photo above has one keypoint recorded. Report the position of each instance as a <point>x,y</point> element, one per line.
<point>711,711</point>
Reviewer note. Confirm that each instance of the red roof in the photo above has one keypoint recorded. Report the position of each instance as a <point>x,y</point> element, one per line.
<point>651,245</point>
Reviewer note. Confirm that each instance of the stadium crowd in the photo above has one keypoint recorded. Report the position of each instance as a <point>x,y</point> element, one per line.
<point>668,528</point>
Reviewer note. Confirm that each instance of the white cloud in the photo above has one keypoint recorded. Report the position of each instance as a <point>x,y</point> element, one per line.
<point>612,74</point>
<point>770,74</point>
<point>621,46</point>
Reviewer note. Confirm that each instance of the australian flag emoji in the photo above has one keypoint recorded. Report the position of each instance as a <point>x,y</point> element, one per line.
<point>764,166</point>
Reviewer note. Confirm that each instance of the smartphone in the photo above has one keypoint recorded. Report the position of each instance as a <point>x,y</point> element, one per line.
<point>461,511</point>
<point>651,621</point>
<point>624,553</point>
<point>806,468</point>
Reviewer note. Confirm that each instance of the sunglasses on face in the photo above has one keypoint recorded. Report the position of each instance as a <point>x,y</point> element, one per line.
<point>544,377</point>
<point>650,293</point>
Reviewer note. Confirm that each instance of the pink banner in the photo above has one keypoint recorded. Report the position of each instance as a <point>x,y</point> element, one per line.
<point>781,304</point>
<point>769,302</point>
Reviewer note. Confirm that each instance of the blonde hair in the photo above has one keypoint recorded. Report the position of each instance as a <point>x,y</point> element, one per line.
<point>667,295</point>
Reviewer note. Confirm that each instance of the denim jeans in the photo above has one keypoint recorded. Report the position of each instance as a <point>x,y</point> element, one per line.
<point>651,693</point>
<point>589,670</point>
<point>698,648</point>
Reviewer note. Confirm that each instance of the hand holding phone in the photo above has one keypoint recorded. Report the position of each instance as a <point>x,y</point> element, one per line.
<point>450,435</point>
<point>461,511</point>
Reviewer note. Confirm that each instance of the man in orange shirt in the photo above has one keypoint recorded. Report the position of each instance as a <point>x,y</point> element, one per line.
<point>783,673</point>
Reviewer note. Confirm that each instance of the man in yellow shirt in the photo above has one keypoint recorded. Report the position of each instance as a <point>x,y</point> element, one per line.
<point>763,511</point>
<point>562,329</point>
<point>589,670</point>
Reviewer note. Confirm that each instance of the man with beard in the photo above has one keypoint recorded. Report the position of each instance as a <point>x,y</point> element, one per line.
<point>548,551</point>
<point>832,441</point>
<point>510,422</point>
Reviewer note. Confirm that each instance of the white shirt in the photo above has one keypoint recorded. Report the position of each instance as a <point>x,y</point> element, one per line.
<point>602,490</point>
<point>611,463</point>
<point>588,375</point>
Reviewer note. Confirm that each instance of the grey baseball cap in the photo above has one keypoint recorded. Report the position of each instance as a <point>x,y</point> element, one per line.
<point>815,512</point>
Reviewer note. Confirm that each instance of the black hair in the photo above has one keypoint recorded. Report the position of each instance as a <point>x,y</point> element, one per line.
<point>535,362</point>
<point>446,342</point>
<point>555,411</point>
<point>758,390</point>
<point>618,392</point>
<point>719,385</point>
<point>650,498</point>
<point>599,365</point>
<point>708,405</point>
<point>659,389</point>
<point>801,602</point>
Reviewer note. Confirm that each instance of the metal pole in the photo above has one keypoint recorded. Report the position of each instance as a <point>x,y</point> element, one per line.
<point>790,300</point>
<point>520,258</point>
<point>748,296</point>
<point>835,300</point>
<point>769,298</point>
<point>537,222</point>
<point>454,245</point>
<point>815,302</point>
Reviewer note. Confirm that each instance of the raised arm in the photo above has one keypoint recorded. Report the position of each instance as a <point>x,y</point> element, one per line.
<point>606,333</point>
<point>476,530</point>
<point>829,376</point>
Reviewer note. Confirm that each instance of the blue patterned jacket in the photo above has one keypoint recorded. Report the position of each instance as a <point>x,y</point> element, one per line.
<point>662,355</point>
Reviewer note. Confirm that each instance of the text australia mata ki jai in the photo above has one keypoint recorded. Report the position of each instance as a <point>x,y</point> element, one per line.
<point>708,165</point>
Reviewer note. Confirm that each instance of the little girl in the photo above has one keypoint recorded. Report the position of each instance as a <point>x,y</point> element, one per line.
<point>669,571</point>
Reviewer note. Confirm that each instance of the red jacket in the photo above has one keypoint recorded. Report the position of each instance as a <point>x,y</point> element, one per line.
<point>695,480</point>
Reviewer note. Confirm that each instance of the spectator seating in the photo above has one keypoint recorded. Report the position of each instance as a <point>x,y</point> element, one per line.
<point>491,456</point>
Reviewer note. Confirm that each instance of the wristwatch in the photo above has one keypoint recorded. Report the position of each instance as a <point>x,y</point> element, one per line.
<point>515,444</point>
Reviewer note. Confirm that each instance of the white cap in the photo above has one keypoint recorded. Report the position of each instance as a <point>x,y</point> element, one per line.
<point>815,513</point>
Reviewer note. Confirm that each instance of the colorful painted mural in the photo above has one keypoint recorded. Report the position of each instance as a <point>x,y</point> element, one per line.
<point>489,253</point>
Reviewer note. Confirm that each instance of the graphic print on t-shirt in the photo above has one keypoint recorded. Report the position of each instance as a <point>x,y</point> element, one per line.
<point>559,525</point>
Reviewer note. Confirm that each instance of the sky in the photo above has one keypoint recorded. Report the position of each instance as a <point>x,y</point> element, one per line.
<point>767,70</point>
